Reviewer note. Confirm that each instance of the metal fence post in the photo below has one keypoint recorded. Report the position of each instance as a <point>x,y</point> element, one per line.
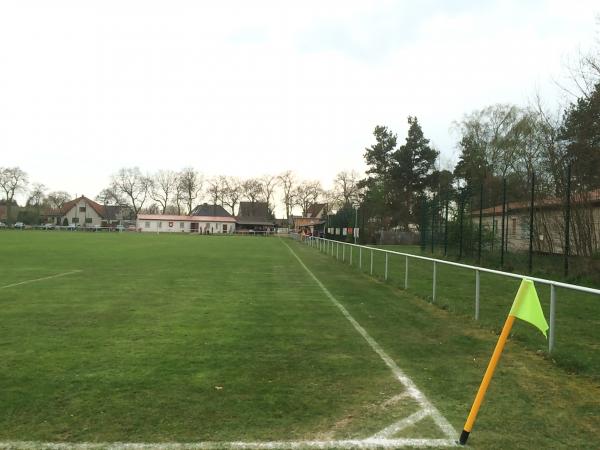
<point>552,333</point>
<point>434,281</point>
<point>531,219</point>
<point>477,276</point>
<point>343,252</point>
<point>504,225</point>
<point>567,246</point>
<point>406,272</point>
<point>337,251</point>
<point>446,228</point>
<point>371,261</point>
<point>480,232</point>
<point>386,265</point>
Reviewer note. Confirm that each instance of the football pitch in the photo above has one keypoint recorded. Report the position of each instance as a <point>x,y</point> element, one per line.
<point>249,342</point>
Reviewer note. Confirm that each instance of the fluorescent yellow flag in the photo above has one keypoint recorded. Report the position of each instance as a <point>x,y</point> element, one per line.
<point>527,306</point>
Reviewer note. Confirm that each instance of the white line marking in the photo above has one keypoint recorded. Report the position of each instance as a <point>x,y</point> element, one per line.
<point>395,399</point>
<point>394,428</point>
<point>411,387</point>
<point>40,279</point>
<point>345,444</point>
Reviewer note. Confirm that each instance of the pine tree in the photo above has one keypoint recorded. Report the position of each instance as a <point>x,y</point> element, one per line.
<point>411,173</point>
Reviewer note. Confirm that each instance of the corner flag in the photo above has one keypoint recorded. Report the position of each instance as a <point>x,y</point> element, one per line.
<point>526,306</point>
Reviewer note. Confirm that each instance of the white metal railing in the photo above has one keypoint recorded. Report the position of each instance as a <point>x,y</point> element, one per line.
<point>332,247</point>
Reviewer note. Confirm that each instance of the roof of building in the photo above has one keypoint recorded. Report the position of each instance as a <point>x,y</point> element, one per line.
<point>210,211</point>
<point>95,206</point>
<point>282,223</point>
<point>254,213</point>
<point>254,209</point>
<point>315,209</point>
<point>171,217</point>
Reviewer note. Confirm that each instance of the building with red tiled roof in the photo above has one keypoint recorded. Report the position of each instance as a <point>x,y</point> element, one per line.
<point>85,212</point>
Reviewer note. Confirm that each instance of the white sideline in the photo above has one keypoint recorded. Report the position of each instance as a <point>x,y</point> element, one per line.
<point>414,392</point>
<point>40,279</point>
<point>369,443</point>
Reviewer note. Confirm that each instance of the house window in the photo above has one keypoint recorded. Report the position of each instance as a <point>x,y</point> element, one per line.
<point>88,220</point>
<point>224,228</point>
<point>82,209</point>
<point>181,225</point>
<point>75,220</point>
<point>147,225</point>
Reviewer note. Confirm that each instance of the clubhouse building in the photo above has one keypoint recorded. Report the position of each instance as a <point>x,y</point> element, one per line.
<point>204,219</point>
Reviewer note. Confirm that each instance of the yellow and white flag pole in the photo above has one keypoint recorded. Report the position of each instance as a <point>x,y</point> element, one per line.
<point>526,306</point>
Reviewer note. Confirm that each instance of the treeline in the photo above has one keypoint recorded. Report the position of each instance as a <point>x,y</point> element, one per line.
<point>171,192</point>
<point>498,144</point>
<point>178,192</point>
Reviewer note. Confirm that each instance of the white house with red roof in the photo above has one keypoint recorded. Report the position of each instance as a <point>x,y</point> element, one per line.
<point>86,213</point>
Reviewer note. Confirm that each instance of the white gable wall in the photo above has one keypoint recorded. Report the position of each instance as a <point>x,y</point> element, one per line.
<point>88,217</point>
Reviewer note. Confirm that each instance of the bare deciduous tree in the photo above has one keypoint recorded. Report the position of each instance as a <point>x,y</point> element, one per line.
<point>109,196</point>
<point>288,182</point>
<point>307,193</point>
<point>163,188</point>
<point>133,186</point>
<point>252,190</point>
<point>57,199</point>
<point>216,190</point>
<point>346,186</point>
<point>233,193</point>
<point>190,187</point>
<point>37,195</point>
<point>269,184</point>
<point>12,181</point>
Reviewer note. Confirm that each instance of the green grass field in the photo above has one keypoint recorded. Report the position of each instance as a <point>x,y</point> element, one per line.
<point>205,338</point>
<point>577,313</point>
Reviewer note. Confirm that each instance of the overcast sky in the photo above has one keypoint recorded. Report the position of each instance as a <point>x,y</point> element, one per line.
<point>251,87</point>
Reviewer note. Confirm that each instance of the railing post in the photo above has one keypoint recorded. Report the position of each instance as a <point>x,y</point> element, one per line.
<point>477,276</point>
<point>343,252</point>
<point>360,258</point>
<point>406,272</point>
<point>386,265</point>
<point>552,333</point>
<point>434,281</point>
<point>337,251</point>
<point>371,261</point>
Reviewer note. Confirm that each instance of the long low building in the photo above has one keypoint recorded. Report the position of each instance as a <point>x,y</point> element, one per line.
<point>159,223</point>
